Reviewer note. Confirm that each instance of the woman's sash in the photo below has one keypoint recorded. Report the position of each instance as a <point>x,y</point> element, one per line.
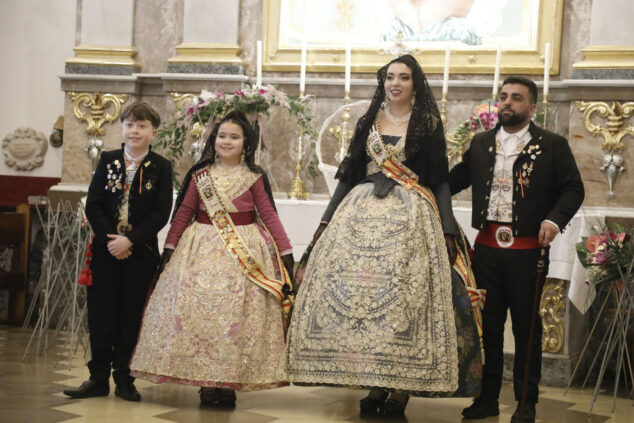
<point>215,207</point>
<point>394,169</point>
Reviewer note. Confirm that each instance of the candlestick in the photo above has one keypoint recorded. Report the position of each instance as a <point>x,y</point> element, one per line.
<point>302,69</point>
<point>348,65</point>
<point>258,80</point>
<point>445,77</point>
<point>546,69</point>
<point>496,75</point>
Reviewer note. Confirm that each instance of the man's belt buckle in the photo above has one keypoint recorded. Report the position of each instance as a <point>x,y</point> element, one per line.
<point>504,236</point>
<point>123,228</point>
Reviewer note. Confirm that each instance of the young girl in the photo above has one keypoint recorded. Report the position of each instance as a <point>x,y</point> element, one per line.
<point>216,318</point>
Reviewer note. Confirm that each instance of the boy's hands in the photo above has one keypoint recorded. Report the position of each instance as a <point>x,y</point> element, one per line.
<point>119,246</point>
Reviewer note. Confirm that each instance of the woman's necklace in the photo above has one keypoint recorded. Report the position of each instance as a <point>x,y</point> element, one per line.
<point>223,176</point>
<point>396,121</point>
<point>392,150</point>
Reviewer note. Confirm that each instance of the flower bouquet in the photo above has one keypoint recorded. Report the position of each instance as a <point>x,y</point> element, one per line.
<point>197,112</point>
<point>483,118</point>
<point>608,256</point>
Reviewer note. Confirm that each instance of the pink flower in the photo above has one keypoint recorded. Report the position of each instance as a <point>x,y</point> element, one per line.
<point>261,91</point>
<point>594,241</point>
<point>598,257</point>
<point>240,93</point>
<point>621,237</point>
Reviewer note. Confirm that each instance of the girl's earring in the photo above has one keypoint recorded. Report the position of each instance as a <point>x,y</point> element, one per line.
<point>242,157</point>
<point>216,158</point>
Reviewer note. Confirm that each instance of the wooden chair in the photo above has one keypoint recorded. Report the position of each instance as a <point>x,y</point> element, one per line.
<point>15,230</point>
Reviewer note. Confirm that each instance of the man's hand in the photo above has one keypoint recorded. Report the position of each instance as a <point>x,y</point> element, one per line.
<point>547,233</point>
<point>124,255</point>
<point>119,246</point>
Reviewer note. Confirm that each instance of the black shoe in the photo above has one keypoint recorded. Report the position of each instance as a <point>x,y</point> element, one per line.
<point>89,389</point>
<point>394,407</point>
<point>227,398</point>
<point>370,405</point>
<point>481,409</point>
<point>127,391</point>
<point>529,413</point>
<point>209,396</point>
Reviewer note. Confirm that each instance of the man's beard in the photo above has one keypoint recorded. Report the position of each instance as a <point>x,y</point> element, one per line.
<point>512,119</point>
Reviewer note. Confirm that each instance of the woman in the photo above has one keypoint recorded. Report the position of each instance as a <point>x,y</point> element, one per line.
<point>216,317</point>
<point>375,309</point>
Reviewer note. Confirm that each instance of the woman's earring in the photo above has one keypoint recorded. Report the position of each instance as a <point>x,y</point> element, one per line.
<point>216,158</point>
<point>386,104</point>
<point>413,98</point>
<point>242,157</point>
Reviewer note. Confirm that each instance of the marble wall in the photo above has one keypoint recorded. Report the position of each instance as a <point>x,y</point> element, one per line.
<point>159,28</point>
<point>36,39</point>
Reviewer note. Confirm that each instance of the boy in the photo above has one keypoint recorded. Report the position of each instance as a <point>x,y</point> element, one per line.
<point>129,201</point>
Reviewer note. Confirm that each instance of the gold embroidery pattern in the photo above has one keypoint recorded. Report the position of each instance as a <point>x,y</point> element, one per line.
<point>206,324</point>
<point>235,185</point>
<point>375,306</point>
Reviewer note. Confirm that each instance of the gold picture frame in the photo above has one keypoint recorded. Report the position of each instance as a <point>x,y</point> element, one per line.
<point>529,59</point>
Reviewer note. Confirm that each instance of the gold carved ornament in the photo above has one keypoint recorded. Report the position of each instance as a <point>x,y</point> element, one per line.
<point>614,116</point>
<point>553,314</point>
<point>97,105</point>
<point>197,130</point>
<point>181,100</point>
<point>613,132</point>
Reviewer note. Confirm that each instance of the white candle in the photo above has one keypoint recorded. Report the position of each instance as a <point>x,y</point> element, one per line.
<point>546,68</point>
<point>258,79</point>
<point>496,75</point>
<point>348,65</point>
<point>302,69</point>
<point>445,78</point>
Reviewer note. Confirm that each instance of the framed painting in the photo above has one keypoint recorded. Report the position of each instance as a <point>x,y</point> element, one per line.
<point>380,29</point>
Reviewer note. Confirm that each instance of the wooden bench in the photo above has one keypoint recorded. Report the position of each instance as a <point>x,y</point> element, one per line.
<point>15,231</point>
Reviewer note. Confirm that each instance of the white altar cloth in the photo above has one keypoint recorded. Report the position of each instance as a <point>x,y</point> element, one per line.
<point>301,218</point>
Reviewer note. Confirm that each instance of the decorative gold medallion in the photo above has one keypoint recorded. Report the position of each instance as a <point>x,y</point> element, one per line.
<point>123,228</point>
<point>148,186</point>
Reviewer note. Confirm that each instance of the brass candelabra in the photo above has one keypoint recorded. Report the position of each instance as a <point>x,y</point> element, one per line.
<point>455,142</point>
<point>297,190</point>
<point>342,132</point>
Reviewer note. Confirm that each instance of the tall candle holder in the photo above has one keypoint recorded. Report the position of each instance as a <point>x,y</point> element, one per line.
<point>342,132</point>
<point>297,190</point>
<point>455,140</point>
<point>545,103</point>
<point>443,110</point>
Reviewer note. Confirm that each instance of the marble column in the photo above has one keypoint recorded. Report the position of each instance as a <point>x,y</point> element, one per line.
<point>210,39</point>
<point>104,40</point>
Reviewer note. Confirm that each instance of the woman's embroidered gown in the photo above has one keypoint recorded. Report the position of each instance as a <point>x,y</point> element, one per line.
<point>206,324</point>
<point>376,305</point>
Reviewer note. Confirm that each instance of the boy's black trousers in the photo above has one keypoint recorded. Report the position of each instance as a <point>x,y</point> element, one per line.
<point>115,308</point>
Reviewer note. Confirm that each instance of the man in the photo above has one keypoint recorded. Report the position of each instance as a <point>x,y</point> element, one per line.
<point>525,189</point>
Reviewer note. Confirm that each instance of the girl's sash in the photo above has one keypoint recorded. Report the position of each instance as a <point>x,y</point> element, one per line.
<point>215,207</point>
<point>394,169</point>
